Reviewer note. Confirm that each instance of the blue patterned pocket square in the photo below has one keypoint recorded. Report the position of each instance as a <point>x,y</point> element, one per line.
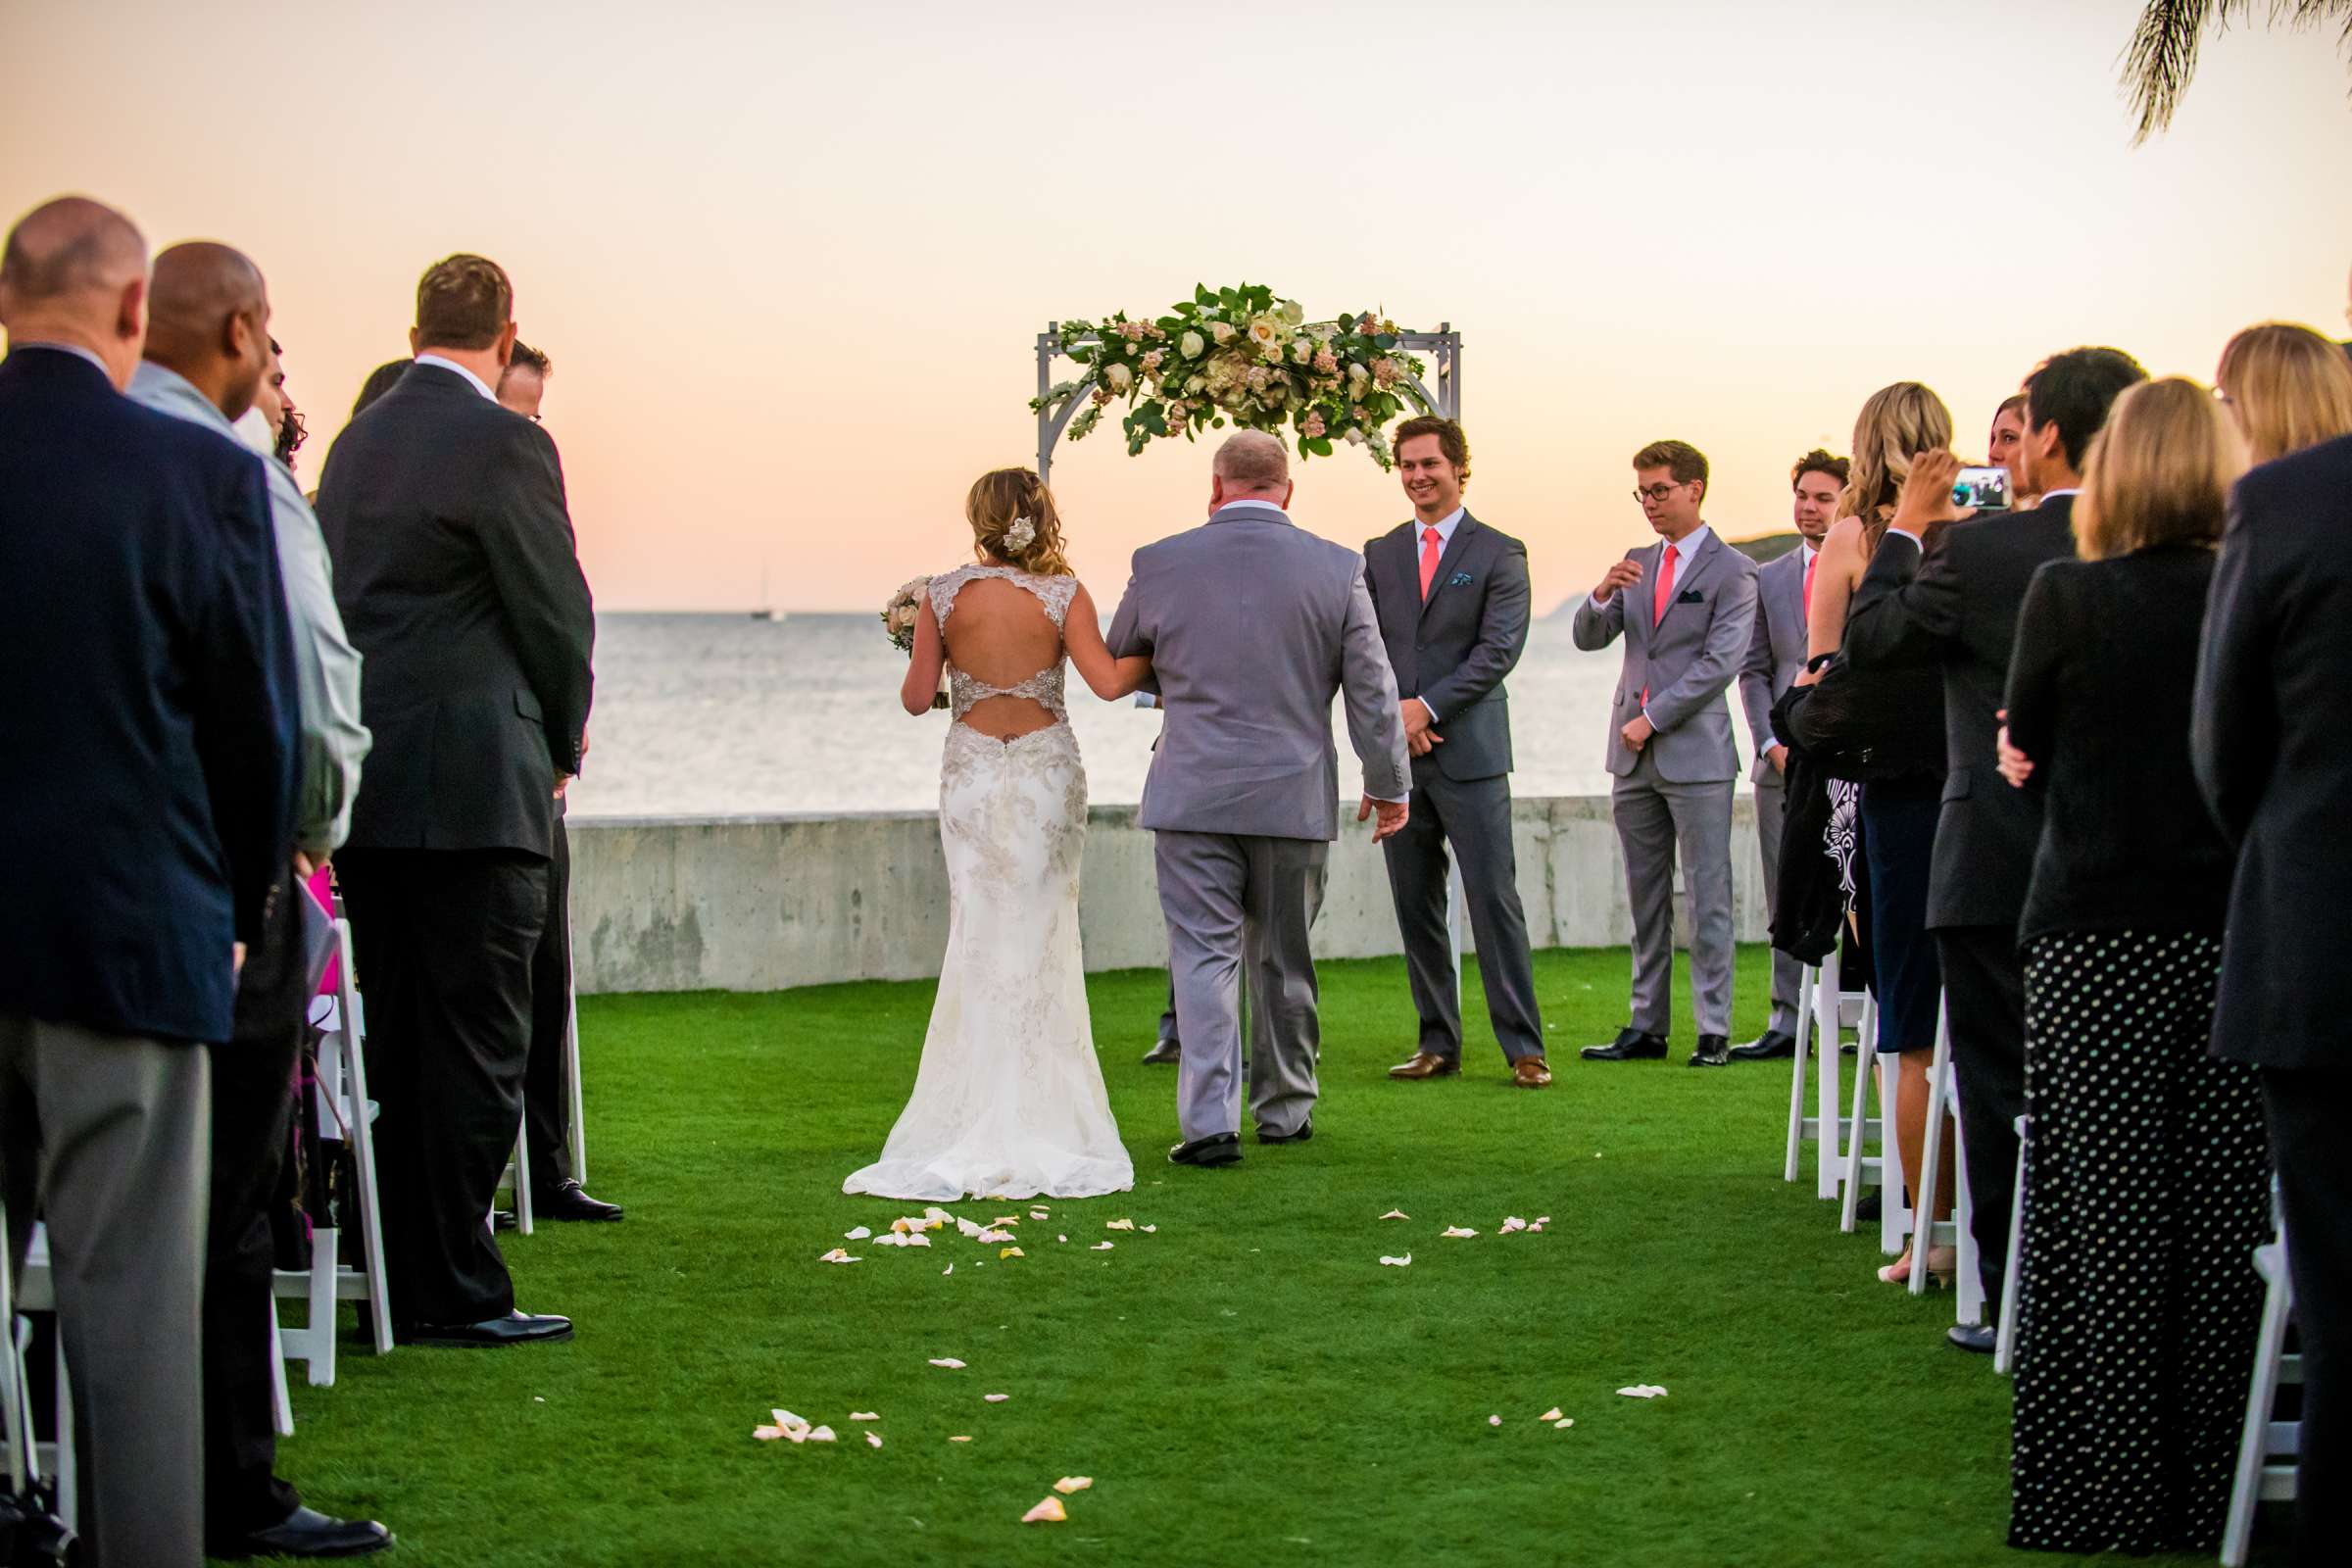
<point>1460,579</point>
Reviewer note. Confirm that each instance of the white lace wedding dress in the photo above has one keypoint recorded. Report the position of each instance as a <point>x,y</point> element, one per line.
<point>1009,1102</point>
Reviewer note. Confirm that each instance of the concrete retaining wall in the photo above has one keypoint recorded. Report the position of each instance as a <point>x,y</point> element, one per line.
<point>765,902</point>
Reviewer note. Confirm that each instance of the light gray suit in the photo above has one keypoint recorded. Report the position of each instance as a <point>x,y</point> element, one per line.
<point>1253,625</point>
<point>1679,787</point>
<point>1776,656</point>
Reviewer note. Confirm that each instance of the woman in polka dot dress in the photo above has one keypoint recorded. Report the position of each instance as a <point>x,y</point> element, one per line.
<point>2147,1177</point>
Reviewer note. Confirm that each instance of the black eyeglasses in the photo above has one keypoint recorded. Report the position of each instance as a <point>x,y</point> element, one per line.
<point>1656,493</point>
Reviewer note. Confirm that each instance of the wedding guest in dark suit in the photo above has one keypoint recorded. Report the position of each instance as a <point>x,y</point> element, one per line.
<point>455,567</point>
<point>547,1087</point>
<point>1452,599</point>
<point>2147,1186</point>
<point>1956,610</point>
<point>1686,608</point>
<point>147,790</point>
<point>2275,761</point>
<point>1776,656</point>
<point>209,357</point>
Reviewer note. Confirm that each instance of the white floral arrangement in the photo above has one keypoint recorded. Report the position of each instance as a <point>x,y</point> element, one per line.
<point>900,613</point>
<point>1244,357</point>
<point>1020,536</point>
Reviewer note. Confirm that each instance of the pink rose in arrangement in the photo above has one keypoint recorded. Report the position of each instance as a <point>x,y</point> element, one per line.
<point>1384,373</point>
<point>1326,362</point>
<point>1152,360</point>
<point>1312,425</point>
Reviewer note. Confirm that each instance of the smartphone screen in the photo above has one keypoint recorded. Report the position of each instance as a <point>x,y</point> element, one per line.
<point>1984,489</point>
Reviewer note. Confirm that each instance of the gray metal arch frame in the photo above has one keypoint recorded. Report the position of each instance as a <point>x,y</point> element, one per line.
<point>1443,347</point>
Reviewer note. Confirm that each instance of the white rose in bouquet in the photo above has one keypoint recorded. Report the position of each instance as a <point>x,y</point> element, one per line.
<point>1191,345</point>
<point>1262,331</point>
<point>1293,312</point>
<point>899,616</point>
<point>1222,331</point>
<point>1119,377</point>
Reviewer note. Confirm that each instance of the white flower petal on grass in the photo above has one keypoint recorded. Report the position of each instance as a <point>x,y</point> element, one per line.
<point>945,1273</point>
<point>864,1415</point>
<point>938,1215</point>
<point>1005,1219</point>
<point>1049,1512</point>
<point>959,1439</point>
<point>1493,1420</point>
<point>1643,1391</point>
<point>1542,1219</point>
<point>995,1398</point>
<point>1068,1484</point>
<point>1118,1224</point>
<point>1552,1414</point>
<point>821,1435</point>
<point>873,1440</point>
<point>1062,1237</point>
<point>837,1256</point>
<point>967,1228</point>
<point>1458,1232</point>
<point>1150,1230</point>
<point>1512,1222</point>
<point>948,1361</point>
<point>1004,1253</point>
<point>1101,1247</point>
<point>989,1237</point>
<point>1037,1214</point>
<point>1563,1424</point>
<point>1396,1213</point>
<point>1406,1262</point>
<point>857,1235</point>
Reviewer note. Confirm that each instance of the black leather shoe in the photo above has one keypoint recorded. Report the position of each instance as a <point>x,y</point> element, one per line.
<point>1714,1050</point>
<point>308,1532</point>
<point>1631,1044</point>
<point>570,1200</point>
<point>502,1219</point>
<point>1306,1132</point>
<point>1218,1149</point>
<point>515,1328</point>
<point>1164,1054</point>
<point>1771,1046</point>
<point>1869,1205</point>
<point>1982,1338</point>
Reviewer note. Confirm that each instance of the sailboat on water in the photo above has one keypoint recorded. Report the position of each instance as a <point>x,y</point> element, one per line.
<point>765,610</point>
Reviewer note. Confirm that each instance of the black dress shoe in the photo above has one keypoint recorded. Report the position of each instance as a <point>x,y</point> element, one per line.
<point>1631,1044</point>
<point>515,1328</point>
<point>1770,1046</point>
<point>1218,1149</point>
<point>502,1219</point>
<point>308,1532</point>
<point>1166,1053</point>
<point>1714,1050</point>
<point>570,1200</point>
<point>1869,1205</point>
<point>1982,1338</point>
<point>1306,1132</point>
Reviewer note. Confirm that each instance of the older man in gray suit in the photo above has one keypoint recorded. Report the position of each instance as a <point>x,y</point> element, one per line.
<point>1686,632</point>
<point>1776,656</point>
<point>1253,625</point>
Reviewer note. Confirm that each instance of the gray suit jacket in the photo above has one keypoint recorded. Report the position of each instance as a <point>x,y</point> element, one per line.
<point>1454,650</point>
<point>1686,661</point>
<point>1775,650</point>
<point>1253,624</point>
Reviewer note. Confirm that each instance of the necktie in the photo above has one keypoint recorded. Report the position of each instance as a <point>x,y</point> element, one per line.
<point>1433,545</point>
<point>1809,567</point>
<point>1664,592</point>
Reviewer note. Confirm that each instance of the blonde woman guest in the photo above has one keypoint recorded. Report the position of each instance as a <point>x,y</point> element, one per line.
<point>2288,387</point>
<point>1903,712</point>
<point>2147,1182</point>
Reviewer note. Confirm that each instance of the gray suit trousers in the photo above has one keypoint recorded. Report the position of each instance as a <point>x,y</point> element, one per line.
<point>1475,819</point>
<point>109,1135</point>
<point>1787,973</point>
<point>1655,817</point>
<point>1230,900</point>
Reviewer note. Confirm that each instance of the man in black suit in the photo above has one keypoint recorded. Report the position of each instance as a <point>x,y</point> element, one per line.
<point>2275,759</point>
<point>147,788</point>
<point>1957,608</point>
<point>455,571</point>
<point>1452,599</point>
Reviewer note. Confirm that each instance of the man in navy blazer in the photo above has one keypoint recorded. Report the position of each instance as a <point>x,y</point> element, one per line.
<point>1452,599</point>
<point>147,787</point>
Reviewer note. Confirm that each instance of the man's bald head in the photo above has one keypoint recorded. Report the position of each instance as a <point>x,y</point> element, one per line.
<point>1252,462</point>
<point>75,271</point>
<point>208,319</point>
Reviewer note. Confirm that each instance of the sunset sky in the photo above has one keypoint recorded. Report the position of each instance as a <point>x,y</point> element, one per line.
<point>790,259</point>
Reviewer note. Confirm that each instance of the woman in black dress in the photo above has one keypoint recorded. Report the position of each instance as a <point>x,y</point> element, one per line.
<point>2148,1181</point>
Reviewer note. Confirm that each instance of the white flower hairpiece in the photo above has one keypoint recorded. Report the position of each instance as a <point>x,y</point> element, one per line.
<point>1021,536</point>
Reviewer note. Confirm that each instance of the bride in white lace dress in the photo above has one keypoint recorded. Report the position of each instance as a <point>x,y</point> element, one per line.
<point>1009,1102</point>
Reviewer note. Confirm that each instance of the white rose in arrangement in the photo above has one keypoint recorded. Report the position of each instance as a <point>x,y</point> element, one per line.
<point>1302,351</point>
<point>1222,331</point>
<point>1120,378</point>
<point>1194,385</point>
<point>1191,345</point>
<point>1355,437</point>
<point>1357,372</point>
<point>1264,331</point>
<point>1293,312</point>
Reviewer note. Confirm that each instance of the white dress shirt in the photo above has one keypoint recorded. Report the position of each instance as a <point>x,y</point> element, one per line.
<point>479,385</point>
<point>1445,527</point>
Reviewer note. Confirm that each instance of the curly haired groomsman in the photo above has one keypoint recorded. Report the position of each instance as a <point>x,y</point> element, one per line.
<point>1452,598</point>
<point>1686,608</point>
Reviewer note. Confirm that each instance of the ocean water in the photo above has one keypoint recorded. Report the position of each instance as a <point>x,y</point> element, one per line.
<point>716,715</point>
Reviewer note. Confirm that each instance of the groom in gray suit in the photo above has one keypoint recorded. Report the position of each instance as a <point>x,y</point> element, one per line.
<point>1687,607</point>
<point>1253,625</point>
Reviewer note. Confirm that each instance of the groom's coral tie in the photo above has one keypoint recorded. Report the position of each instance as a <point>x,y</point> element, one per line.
<point>1433,545</point>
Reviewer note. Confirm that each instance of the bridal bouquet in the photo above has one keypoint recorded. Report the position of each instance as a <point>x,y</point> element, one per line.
<point>1246,356</point>
<point>899,615</point>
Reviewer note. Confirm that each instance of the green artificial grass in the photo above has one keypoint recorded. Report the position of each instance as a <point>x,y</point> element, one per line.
<point>1248,1384</point>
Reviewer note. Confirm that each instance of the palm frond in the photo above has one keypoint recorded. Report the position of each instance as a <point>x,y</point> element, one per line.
<point>2162,58</point>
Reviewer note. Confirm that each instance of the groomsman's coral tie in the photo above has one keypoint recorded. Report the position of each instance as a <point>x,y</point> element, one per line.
<point>1810,566</point>
<point>1433,545</point>
<point>1663,593</point>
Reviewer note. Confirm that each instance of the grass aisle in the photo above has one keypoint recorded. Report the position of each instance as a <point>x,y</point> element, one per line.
<point>1248,1384</point>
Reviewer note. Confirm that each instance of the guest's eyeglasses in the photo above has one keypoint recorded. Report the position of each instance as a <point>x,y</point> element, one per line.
<point>1655,494</point>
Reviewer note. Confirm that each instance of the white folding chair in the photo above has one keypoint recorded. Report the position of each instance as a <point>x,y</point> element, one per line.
<point>516,1179</point>
<point>1943,1099</point>
<point>281,1401</point>
<point>1884,1167</point>
<point>2266,1452</point>
<point>1824,1014</point>
<point>342,1103</point>
<point>2004,1341</point>
<point>571,1066</point>
<point>36,1291</point>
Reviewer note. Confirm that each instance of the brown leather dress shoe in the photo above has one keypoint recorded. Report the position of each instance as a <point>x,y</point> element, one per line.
<point>1530,1072</point>
<point>1424,1066</point>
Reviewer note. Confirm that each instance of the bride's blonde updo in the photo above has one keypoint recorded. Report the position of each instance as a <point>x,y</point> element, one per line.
<point>1013,520</point>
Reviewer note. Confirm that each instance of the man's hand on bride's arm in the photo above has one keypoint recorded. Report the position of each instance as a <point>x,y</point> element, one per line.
<point>1392,814</point>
